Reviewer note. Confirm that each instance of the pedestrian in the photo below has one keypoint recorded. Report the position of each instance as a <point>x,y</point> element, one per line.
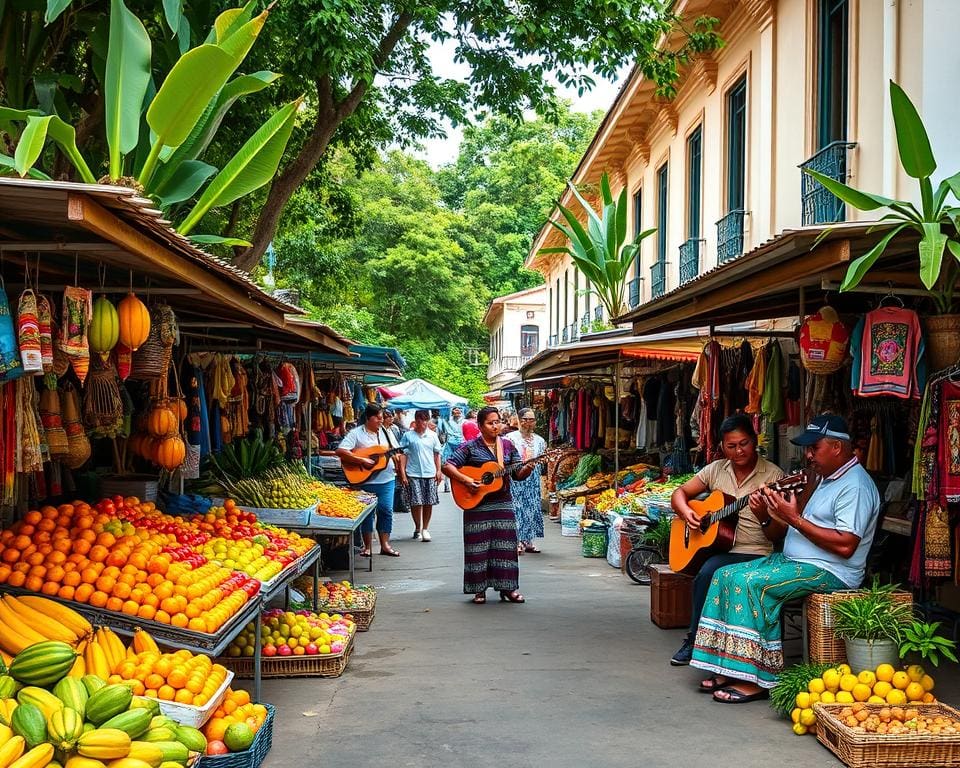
<point>420,474</point>
<point>825,550</point>
<point>490,528</point>
<point>527,499</point>
<point>741,472</point>
<point>382,483</point>
<point>400,506</point>
<point>470,429</point>
<point>451,434</point>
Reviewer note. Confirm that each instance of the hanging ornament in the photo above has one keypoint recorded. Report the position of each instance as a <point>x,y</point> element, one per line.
<point>45,319</point>
<point>104,328</point>
<point>28,333</point>
<point>134,322</point>
<point>124,360</point>
<point>10,365</point>
<point>824,341</point>
<point>77,313</point>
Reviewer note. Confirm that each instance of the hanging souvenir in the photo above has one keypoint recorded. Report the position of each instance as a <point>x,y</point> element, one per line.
<point>134,322</point>
<point>10,366</point>
<point>45,320</point>
<point>77,438</point>
<point>29,440</point>
<point>28,333</point>
<point>124,360</point>
<point>54,433</point>
<point>104,328</point>
<point>77,313</point>
<point>824,341</point>
<point>102,404</point>
<point>152,359</point>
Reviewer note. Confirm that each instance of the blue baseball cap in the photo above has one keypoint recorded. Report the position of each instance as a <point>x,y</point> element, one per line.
<point>826,425</point>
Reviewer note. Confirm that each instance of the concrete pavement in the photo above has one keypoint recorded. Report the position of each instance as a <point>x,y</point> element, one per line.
<point>578,676</point>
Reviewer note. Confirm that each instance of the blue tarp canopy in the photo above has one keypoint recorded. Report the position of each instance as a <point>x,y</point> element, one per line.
<point>418,393</point>
<point>383,363</point>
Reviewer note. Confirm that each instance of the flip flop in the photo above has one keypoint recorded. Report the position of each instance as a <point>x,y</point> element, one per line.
<point>364,553</point>
<point>534,550</point>
<point>389,553</point>
<point>716,683</point>
<point>739,697</point>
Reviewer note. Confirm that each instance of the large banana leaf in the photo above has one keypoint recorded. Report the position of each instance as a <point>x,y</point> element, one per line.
<point>54,9</point>
<point>172,14</point>
<point>916,155</point>
<point>252,167</point>
<point>66,137</point>
<point>30,144</point>
<point>184,183</point>
<point>230,21</point>
<point>220,240</point>
<point>126,76</point>
<point>239,43</point>
<point>7,165</point>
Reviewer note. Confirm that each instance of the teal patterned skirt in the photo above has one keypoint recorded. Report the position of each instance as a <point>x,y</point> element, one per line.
<point>739,631</point>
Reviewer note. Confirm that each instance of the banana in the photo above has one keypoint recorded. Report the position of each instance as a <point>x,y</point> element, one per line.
<point>40,622</point>
<point>95,660</point>
<point>112,647</point>
<point>15,635</point>
<point>11,750</point>
<point>143,641</point>
<point>6,733</point>
<point>38,757</point>
<point>60,613</point>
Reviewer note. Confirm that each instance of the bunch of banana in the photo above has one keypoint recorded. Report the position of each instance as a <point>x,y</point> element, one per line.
<point>114,650</point>
<point>30,619</point>
<point>143,641</point>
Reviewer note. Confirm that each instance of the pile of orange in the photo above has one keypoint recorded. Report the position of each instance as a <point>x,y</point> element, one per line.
<point>77,553</point>
<point>181,676</point>
<point>235,708</point>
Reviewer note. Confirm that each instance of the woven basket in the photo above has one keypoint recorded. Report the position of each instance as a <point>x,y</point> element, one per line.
<point>152,359</point>
<point>873,750</point>
<point>250,758</point>
<point>825,647</point>
<point>329,665</point>
<point>943,340</point>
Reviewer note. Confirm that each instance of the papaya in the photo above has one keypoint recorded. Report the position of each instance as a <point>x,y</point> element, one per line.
<point>73,694</point>
<point>93,683</point>
<point>173,751</point>
<point>43,700</point>
<point>107,702</point>
<point>64,727</point>
<point>144,702</point>
<point>191,738</point>
<point>8,687</point>
<point>42,663</point>
<point>133,722</point>
<point>28,721</point>
<point>104,744</point>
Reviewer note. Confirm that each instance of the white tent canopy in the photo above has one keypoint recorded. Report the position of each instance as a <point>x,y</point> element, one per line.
<point>419,393</point>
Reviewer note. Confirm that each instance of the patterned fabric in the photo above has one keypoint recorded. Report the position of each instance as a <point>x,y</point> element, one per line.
<point>527,501</point>
<point>420,491</point>
<point>739,631</point>
<point>490,528</point>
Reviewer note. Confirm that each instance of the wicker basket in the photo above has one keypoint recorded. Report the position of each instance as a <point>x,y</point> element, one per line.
<point>328,665</point>
<point>943,340</point>
<point>362,615</point>
<point>872,750</point>
<point>250,758</point>
<point>825,647</point>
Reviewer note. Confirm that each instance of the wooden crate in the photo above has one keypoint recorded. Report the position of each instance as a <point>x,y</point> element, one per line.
<point>823,646</point>
<point>671,597</point>
<point>872,750</point>
<point>329,665</point>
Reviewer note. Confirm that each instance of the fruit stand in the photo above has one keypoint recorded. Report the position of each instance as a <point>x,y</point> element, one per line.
<point>321,525</point>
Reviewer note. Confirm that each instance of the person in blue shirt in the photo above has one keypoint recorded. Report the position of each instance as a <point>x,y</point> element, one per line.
<point>825,549</point>
<point>420,473</point>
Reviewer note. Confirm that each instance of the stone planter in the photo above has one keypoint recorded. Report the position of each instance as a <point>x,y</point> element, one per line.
<point>869,654</point>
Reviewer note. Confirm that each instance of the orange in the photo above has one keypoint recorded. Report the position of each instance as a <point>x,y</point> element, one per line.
<point>89,575</point>
<point>84,592</point>
<point>36,558</point>
<point>146,611</point>
<point>106,539</point>
<point>122,590</point>
<point>241,697</point>
<point>163,666</point>
<point>98,553</point>
<point>10,555</point>
<point>56,573</point>
<point>99,599</point>
<point>162,616</point>
<point>158,565</point>
<point>32,518</point>
<point>216,728</point>
<point>105,583</point>
<point>16,578</point>
<point>183,696</point>
<point>166,693</point>
<point>127,669</point>
<point>130,607</point>
<point>37,570</point>
<point>57,557</point>
<point>177,678</point>
<point>33,583</point>
<point>194,684</point>
<point>179,620</point>
<point>154,681</point>
<point>169,604</point>
<point>114,604</point>
<point>150,693</point>
<point>72,578</point>
<point>66,592</point>
<point>50,587</point>
<point>197,624</point>
<point>5,571</point>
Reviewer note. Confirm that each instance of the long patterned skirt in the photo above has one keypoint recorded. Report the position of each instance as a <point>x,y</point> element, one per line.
<point>490,548</point>
<point>739,631</point>
<point>527,502</point>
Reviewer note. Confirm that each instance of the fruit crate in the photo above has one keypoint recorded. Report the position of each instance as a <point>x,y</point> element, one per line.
<point>282,517</point>
<point>252,757</point>
<point>873,750</point>
<point>328,665</point>
<point>195,717</point>
<point>362,617</point>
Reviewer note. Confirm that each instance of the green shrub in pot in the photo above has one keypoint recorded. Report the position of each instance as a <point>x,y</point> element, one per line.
<point>872,625</point>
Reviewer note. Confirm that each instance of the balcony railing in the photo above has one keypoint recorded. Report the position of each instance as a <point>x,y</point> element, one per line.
<point>730,236</point>
<point>633,291</point>
<point>690,259</point>
<point>508,363</point>
<point>820,206</point>
<point>658,279</point>
<point>573,332</point>
<point>554,340</point>
<point>565,334</point>
<point>598,312</point>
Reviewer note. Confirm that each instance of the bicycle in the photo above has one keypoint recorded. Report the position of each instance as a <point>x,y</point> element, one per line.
<point>645,547</point>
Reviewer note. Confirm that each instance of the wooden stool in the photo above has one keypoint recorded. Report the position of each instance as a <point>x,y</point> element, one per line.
<point>671,597</point>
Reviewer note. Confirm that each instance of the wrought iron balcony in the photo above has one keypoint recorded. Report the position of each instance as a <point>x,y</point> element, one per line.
<point>690,259</point>
<point>730,236</point>
<point>820,206</point>
<point>633,291</point>
<point>658,279</point>
<point>565,334</point>
<point>554,340</point>
<point>574,332</point>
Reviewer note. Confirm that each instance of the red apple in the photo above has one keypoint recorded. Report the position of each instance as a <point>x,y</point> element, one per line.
<point>285,650</point>
<point>312,649</point>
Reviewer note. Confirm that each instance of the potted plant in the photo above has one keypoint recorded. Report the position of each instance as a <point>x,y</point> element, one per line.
<point>936,221</point>
<point>921,638</point>
<point>871,625</point>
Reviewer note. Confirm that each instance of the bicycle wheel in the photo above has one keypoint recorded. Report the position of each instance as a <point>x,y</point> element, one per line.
<point>637,562</point>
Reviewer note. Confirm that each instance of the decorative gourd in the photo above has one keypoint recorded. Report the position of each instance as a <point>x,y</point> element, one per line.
<point>170,453</point>
<point>147,444</point>
<point>179,407</point>
<point>134,322</point>
<point>161,422</point>
<point>104,328</point>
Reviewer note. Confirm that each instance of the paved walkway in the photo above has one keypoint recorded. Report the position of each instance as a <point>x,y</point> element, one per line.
<point>576,677</point>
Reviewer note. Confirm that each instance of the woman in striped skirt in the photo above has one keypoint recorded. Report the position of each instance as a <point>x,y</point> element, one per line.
<point>490,528</point>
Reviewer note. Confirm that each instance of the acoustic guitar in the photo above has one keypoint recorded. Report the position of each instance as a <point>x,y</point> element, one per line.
<point>718,514</point>
<point>490,476</point>
<point>380,454</point>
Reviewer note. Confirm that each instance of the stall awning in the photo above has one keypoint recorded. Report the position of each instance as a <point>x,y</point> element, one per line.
<point>594,356</point>
<point>765,283</point>
<point>419,393</point>
<point>380,365</point>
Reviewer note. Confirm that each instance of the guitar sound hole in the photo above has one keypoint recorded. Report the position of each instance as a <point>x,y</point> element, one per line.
<point>486,478</point>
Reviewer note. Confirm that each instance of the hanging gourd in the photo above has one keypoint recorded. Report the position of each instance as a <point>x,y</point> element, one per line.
<point>104,328</point>
<point>179,406</point>
<point>170,452</point>
<point>162,422</point>
<point>134,321</point>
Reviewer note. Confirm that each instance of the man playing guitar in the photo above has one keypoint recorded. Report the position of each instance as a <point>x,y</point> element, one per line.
<point>741,472</point>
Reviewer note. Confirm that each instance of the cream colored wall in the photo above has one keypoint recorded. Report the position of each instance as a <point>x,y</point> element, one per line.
<point>514,316</point>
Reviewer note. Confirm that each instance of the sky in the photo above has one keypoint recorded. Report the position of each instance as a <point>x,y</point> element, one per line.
<point>438,152</point>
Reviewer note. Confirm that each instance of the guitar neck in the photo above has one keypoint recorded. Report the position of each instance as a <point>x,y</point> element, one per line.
<point>730,509</point>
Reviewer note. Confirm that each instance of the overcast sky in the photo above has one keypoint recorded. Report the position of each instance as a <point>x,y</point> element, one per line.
<point>441,151</point>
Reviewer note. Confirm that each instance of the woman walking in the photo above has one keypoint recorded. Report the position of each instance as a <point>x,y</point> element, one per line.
<point>527,501</point>
<point>420,473</point>
<point>490,528</point>
<point>451,433</point>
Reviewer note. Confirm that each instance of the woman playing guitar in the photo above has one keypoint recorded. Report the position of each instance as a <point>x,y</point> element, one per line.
<point>739,473</point>
<point>489,528</point>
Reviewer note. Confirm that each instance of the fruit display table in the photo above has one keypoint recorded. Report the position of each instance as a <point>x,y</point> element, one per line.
<point>337,526</point>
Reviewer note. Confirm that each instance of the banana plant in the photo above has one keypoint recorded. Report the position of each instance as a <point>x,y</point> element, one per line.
<point>936,221</point>
<point>600,250</point>
<point>159,135</point>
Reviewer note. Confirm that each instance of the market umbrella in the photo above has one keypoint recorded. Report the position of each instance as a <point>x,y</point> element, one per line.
<point>421,394</point>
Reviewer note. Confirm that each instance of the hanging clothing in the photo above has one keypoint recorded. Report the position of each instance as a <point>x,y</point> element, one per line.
<point>772,403</point>
<point>890,352</point>
<point>949,443</point>
<point>756,381</point>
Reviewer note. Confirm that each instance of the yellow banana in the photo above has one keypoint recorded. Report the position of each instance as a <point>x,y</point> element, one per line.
<point>40,622</point>
<point>6,709</point>
<point>15,635</point>
<point>95,660</point>
<point>79,668</point>
<point>58,612</point>
<point>110,642</point>
<point>143,641</point>
<point>11,751</point>
<point>6,733</point>
<point>38,757</point>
